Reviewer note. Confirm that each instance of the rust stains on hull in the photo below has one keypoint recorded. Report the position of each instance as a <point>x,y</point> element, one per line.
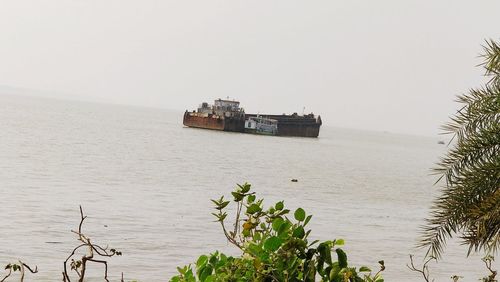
<point>215,122</point>
<point>203,122</point>
<point>288,125</point>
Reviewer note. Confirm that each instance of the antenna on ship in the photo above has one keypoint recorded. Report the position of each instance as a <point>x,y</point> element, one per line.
<point>303,110</point>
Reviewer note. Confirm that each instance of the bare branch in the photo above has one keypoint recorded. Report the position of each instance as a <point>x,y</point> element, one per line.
<point>80,266</point>
<point>6,276</point>
<point>425,268</point>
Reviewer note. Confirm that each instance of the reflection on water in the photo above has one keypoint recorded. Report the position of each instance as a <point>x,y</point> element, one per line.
<point>145,183</point>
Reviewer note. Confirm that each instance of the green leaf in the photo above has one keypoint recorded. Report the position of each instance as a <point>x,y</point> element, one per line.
<point>246,232</point>
<point>253,208</point>
<point>277,222</point>
<point>279,206</point>
<point>325,252</point>
<point>283,212</point>
<point>220,217</point>
<point>222,205</point>
<point>237,196</point>
<point>312,243</point>
<point>307,233</point>
<point>207,271</point>
<point>364,269</point>
<point>257,236</point>
<point>299,214</point>
<point>254,249</point>
<point>308,218</point>
<point>339,242</point>
<point>334,273</point>
<point>213,258</point>
<point>245,188</point>
<point>342,257</point>
<point>272,244</point>
<point>202,261</point>
<point>250,199</point>
<point>189,275</point>
<point>299,232</point>
<point>283,229</point>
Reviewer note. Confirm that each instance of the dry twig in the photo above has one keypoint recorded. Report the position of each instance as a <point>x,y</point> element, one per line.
<point>80,266</point>
<point>425,268</point>
<point>21,267</point>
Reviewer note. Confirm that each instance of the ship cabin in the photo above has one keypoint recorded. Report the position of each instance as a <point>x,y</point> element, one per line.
<point>226,105</point>
<point>227,108</point>
<point>205,108</point>
<point>222,108</point>
<point>261,125</point>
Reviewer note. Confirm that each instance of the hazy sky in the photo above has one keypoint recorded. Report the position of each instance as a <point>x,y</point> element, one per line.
<point>380,65</point>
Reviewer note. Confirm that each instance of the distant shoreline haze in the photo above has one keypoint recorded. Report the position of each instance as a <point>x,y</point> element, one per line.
<point>44,94</point>
<point>370,65</point>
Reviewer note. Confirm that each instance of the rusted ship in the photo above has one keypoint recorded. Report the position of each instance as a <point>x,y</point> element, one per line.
<point>227,115</point>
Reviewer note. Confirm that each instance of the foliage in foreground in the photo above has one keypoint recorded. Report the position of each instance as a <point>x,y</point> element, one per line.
<point>470,201</point>
<point>274,247</point>
<point>20,267</point>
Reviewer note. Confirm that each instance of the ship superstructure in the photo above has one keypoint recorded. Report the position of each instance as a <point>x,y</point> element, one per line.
<point>261,125</point>
<point>222,115</point>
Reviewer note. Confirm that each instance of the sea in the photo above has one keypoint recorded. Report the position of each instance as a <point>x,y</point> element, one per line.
<point>145,183</point>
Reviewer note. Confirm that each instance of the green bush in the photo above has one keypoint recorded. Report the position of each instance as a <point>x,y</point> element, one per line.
<point>274,246</point>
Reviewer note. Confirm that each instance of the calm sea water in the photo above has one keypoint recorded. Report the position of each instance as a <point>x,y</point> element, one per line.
<point>145,182</point>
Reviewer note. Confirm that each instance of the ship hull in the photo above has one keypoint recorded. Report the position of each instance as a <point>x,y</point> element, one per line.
<point>298,126</point>
<point>299,130</point>
<point>214,122</point>
<point>254,131</point>
<point>288,125</point>
<point>198,121</point>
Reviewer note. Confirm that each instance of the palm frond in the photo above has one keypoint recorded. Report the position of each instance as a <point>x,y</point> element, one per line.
<point>469,204</point>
